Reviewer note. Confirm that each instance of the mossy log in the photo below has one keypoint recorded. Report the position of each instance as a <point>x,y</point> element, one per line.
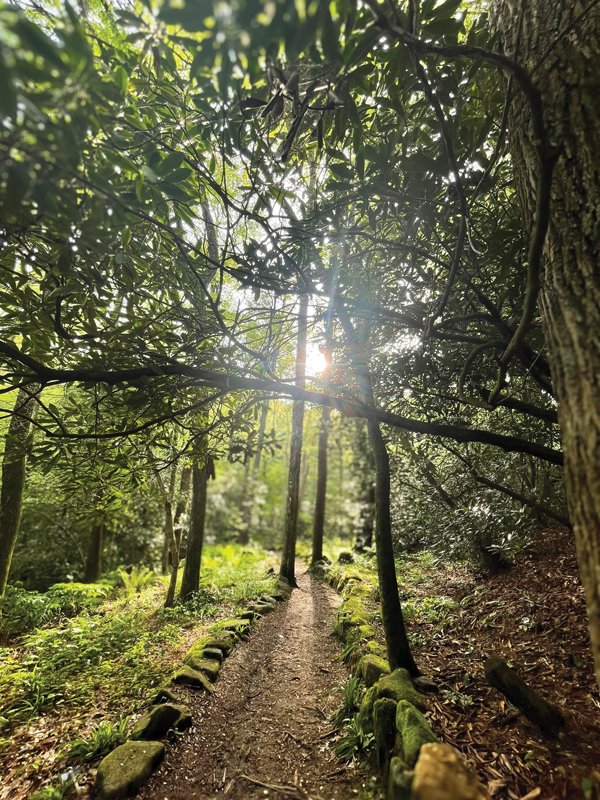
<point>506,680</point>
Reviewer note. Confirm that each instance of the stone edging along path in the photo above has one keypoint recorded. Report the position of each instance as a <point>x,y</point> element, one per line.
<point>413,763</point>
<point>124,770</point>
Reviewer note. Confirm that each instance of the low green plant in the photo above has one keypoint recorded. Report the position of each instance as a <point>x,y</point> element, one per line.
<point>354,740</point>
<point>352,692</point>
<point>103,738</point>
<point>136,579</point>
<point>458,698</point>
<point>57,791</point>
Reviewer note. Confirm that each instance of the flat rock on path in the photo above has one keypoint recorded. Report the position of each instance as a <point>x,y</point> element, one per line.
<point>265,732</point>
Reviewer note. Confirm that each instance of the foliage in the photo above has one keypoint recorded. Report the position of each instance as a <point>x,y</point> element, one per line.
<point>352,692</point>
<point>354,740</point>
<point>136,579</point>
<point>103,738</point>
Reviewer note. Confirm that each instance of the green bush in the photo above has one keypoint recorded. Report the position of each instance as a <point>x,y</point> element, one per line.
<point>103,738</point>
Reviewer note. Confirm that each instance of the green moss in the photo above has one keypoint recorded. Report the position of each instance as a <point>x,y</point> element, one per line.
<point>126,769</point>
<point>398,686</point>
<point>414,731</point>
<point>371,668</point>
<point>238,627</point>
<point>399,781</point>
<point>193,678</point>
<point>384,730</point>
<point>208,666</point>
<point>213,652</point>
<point>159,721</point>
<point>221,640</point>
<point>375,648</point>
<point>365,711</point>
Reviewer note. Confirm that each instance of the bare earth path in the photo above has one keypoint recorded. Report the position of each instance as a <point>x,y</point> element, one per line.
<point>265,733</point>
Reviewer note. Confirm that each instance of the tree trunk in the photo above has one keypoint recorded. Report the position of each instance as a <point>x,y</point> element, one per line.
<point>288,556</point>
<point>560,46</point>
<point>396,640</point>
<point>13,479</point>
<point>321,495</point>
<point>93,561</point>
<point>190,581</point>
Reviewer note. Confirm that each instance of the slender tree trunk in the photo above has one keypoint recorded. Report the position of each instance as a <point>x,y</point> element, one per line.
<point>288,557</point>
<point>396,639</point>
<point>560,46</point>
<point>244,533</point>
<point>175,532</point>
<point>13,479</point>
<point>190,581</point>
<point>93,561</point>
<point>321,496</point>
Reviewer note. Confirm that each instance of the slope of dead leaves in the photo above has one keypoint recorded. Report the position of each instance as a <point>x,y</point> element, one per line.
<point>534,617</point>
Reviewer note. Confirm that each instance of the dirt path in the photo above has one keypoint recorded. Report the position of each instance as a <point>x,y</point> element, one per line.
<point>265,733</point>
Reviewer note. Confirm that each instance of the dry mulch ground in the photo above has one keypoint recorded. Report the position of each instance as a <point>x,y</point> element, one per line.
<point>266,731</point>
<point>534,617</point>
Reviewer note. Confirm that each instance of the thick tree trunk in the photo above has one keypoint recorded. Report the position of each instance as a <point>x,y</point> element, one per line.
<point>93,561</point>
<point>13,480</point>
<point>560,46</point>
<point>288,556</point>
<point>190,581</point>
<point>321,494</point>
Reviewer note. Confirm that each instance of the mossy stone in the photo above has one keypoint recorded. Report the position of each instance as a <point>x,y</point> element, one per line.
<point>398,686</point>
<point>213,653</point>
<point>164,695</point>
<point>399,781</point>
<point>372,668</point>
<point>375,648</point>
<point>235,626</point>
<point>159,721</point>
<point>209,666</point>
<point>384,730</point>
<point>248,614</point>
<point>442,773</point>
<point>365,711</point>
<point>345,557</point>
<point>222,640</point>
<point>193,678</point>
<point>414,731</point>
<point>122,772</point>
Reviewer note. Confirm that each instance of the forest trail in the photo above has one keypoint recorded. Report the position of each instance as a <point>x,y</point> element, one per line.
<point>265,732</point>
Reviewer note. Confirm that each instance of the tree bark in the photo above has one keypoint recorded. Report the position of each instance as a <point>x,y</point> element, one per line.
<point>396,639</point>
<point>321,493</point>
<point>175,534</point>
<point>13,479</point>
<point>190,581</point>
<point>288,556</point>
<point>560,47</point>
<point>93,561</point>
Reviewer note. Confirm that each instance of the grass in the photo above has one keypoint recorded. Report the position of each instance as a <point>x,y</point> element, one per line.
<point>122,645</point>
<point>103,738</point>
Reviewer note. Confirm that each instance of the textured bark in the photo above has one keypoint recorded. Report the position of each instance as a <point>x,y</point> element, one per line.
<point>560,46</point>
<point>190,580</point>
<point>93,561</point>
<point>321,493</point>
<point>288,556</point>
<point>13,480</point>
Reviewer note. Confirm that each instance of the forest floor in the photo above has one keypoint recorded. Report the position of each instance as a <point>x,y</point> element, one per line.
<point>266,731</point>
<point>533,616</point>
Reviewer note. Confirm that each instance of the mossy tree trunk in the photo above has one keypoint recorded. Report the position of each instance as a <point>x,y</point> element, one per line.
<point>190,580</point>
<point>288,557</point>
<point>93,561</point>
<point>13,479</point>
<point>559,45</point>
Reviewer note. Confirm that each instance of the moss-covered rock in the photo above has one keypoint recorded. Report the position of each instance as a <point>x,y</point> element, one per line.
<point>238,627</point>
<point>384,730</point>
<point>371,668</point>
<point>159,721</point>
<point>191,677</point>
<point>164,695</point>
<point>365,710</point>
<point>209,666</point>
<point>399,781</point>
<point>212,652</point>
<point>221,640</point>
<point>414,731</point>
<point>375,648</point>
<point>442,773</point>
<point>345,557</point>
<point>122,772</point>
<point>398,686</point>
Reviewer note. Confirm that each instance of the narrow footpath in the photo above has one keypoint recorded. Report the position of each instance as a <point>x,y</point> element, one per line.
<point>266,730</point>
